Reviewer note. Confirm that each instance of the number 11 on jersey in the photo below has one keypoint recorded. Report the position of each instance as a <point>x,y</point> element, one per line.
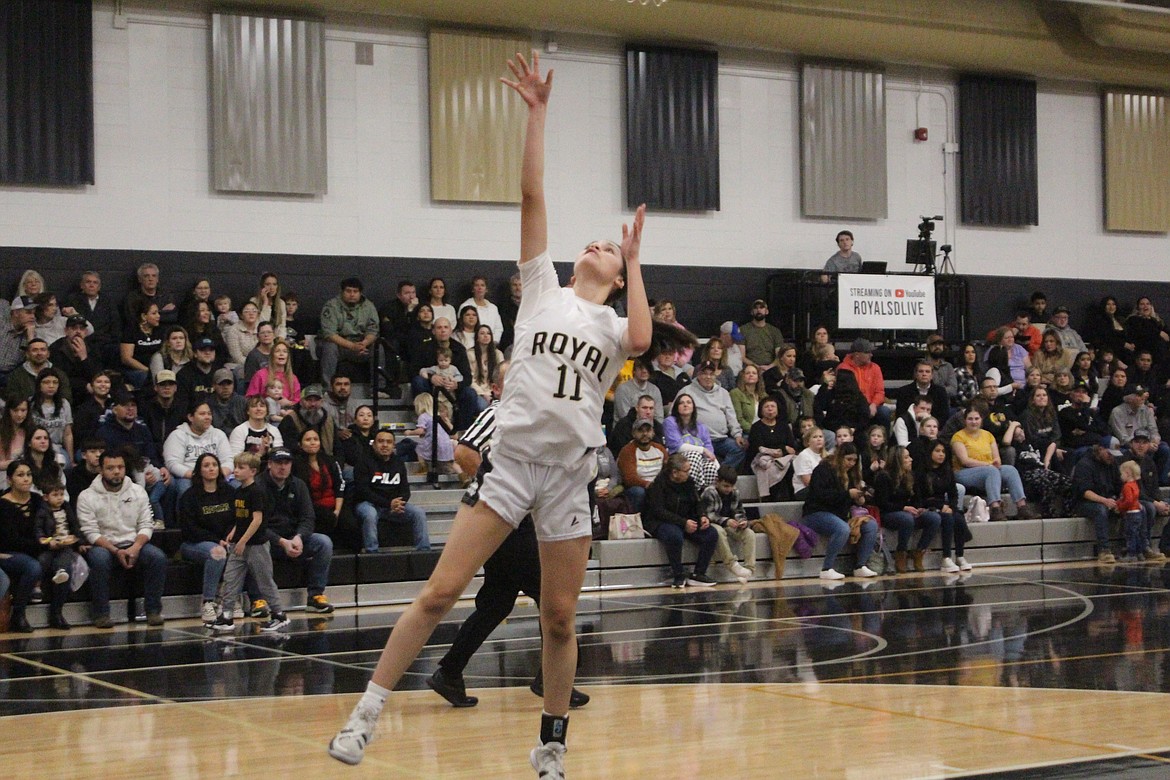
<point>560,393</point>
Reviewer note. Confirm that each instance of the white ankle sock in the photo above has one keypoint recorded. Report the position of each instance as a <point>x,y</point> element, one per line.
<point>374,697</point>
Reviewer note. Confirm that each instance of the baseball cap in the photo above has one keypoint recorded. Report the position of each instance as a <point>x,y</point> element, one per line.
<point>76,321</point>
<point>21,302</point>
<point>861,345</point>
<point>1135,390</point>
<point>796,375</point>
<point>759,301</point>
<point>731,327</point>
<point>641,423</point>
<point>1141,433</point>
<point>204,344</point>
<point>164,376</point>
<point>280,454</point>
<point>223,375</point>
<point>313,390</point>
<point>1060,310</point>
<point>123,397</point>
<point>935,338</point>
<point>707,365</point>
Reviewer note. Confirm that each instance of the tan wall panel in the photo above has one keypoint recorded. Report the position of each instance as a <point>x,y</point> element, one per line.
<point>477,123</point>
<point>1137,161</point>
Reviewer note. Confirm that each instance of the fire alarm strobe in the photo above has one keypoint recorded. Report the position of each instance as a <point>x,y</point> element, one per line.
<point>920,134</point>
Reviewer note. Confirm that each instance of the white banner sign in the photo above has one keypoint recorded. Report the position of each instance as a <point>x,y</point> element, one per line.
<point>886,302</point>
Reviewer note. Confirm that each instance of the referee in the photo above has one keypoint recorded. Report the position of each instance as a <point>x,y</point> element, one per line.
<point>514,568</point>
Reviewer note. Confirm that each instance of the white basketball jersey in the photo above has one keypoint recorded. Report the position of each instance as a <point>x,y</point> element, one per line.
<point>566,354</point>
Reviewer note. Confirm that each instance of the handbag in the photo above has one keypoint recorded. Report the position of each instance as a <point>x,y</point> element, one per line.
<point>624,525</point>
<point>977,511</point>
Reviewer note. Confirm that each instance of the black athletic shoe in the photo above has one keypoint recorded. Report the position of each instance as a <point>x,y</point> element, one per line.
<point>451,689</point>
<point>576,698</point>
<point>700,580</point>
<point>679,582</point>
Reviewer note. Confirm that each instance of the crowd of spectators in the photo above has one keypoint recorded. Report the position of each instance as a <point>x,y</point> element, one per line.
<point>153,383</point>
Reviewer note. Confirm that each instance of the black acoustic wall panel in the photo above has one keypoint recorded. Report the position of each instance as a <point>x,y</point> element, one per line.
<point>672,129</point>
<point>997,151</point>
<point>46,92</point>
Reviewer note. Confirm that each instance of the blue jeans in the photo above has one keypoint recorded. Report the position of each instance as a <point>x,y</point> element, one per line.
<point>728,452</point>
<point>199,553</point>
<point>370,515</point>
<point>636,497</point>
<point>25,571</point>
<point>905,523</point>
<point>836,531</point>
<point>672,537</point>
<point>317,555</point>
<point>1099,514</point>
<point>992,481</point>
<point>5,583</point>
<point>151,566</point>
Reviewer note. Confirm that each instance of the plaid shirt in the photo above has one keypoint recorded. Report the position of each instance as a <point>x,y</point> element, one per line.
<point>12,341</point>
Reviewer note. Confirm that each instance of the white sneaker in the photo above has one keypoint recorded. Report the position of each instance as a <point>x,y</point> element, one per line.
<point>864,571</point>
<point>208,612</point>
<point>238,609</point>
<point>831,574</point>
<point>963,564</point>
<point>61,577</point>
<point>350,743</point>
<point>548,760</point>
<point>949,566</point>
<point>741,573</point>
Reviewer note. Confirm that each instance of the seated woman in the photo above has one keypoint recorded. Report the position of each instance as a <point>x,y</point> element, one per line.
<point>978,467</point>
<point>279,365</point>
<point>806,461</point>
<point>464,332</point>
<point>256,434</point>
<point>173,353</point>
<point>241,338</point>
<point>1061,387</point>
<point>1085,373</point>
<point>665,311</point>
<point>1052,356</point>
<point>968,373</point>
<point>1144,330</point>
<point>1114,393</point>
<point>921,447</point>
<point>714,352</point>
<point>54,413</point>
<point>1009,358</point>
<point>139,343</point>
<point>746,397</point>
<point>785,361</point>
<point>1044,485</point>
<point>261,354</point>
<point>1020,399</point>
<point>841,403</point>
<point>323,476</point>
<point>20,545</point>
<point>807,361</point>
<point>359,445</point>
<point>896,496</point>
<point>484,357</point>
<point>769,436</point>
<point>43,460</point>
<point>16,428</point>
<point>206,512</point>
<point>1104,328</point>
<point>683,433</point>
<point>418,334</point>
<point>671,514</point>
<point>937,491</point>
<point>833,491</point>
<point>201,325</point>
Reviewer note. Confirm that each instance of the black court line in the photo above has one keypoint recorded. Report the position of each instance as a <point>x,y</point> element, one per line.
<point>1155,766</point>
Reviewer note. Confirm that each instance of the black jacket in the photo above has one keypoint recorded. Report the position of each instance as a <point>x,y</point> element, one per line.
<point>670,502</point>
<point>825,493</point>
<point>290,508</point>
<point>380,481</point>
<point>1091,474</point>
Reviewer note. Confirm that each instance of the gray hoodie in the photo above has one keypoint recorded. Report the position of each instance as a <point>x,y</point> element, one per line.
<point>120,516</point>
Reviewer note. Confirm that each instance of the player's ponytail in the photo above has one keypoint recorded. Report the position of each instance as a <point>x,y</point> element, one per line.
<point>666,337</point>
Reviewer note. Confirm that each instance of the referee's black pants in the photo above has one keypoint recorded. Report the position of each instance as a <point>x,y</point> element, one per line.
<point>514,568</point>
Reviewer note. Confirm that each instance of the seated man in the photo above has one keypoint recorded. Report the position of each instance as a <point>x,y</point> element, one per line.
<point>115,519</point>
<point>465,397</point>
<point>869,379</point>
<point>22,381</point>
<point>309,413</point>
<point>1080,426</point>
<point>198,376</point>
<point>289,523</point>
<point>1132,415</point>
<point>668,378</point>
<point>905,428</point>
<point>714,409</point>
<point>227,407</point>
<point>73,356</point>
<point>15,336</point>
<point>761,338</point>
<point>923,386</point>
<point>639,462</point>
<point>1097,486</point>
<point>349,328</point>
<point>1069,338</point>
<point>100,311</point>
<point>796,399</point>
<point>146,293</point>
<point>383,493</point>
<point>622,432</point>
<point>122,431</point>
<point>671,514</point>
<point>845,260</point>
<point>626,396</point>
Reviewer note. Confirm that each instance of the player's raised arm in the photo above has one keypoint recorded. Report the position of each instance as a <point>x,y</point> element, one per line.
<point>637,307</point>
<point>533,214</point>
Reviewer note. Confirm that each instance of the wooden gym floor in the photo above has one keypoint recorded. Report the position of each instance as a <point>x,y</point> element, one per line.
<point>1053,671</point>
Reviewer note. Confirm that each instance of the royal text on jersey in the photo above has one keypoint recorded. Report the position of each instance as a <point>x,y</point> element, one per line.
<point>584,354</point>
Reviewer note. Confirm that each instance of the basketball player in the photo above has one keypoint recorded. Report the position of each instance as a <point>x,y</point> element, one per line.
<point>568,348</point>
<point>513,567</point>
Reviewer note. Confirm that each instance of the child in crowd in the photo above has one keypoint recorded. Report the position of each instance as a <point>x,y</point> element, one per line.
<point>59,533</point>
<point>248,547</point>
<point>445,369</point>
<point>225,316</point>
<point>424,407</point>
<point>1129,506</point>
<point>721,506</point>
<point>274,394</point>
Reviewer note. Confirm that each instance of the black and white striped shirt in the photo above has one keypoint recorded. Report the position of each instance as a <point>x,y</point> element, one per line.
<point>479,438</point>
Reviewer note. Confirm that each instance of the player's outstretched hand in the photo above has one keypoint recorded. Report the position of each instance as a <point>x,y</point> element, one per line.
<point>528,84</point>
<point>632,237</point>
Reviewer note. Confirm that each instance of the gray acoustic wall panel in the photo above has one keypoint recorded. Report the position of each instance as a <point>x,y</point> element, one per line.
<point>672,129</point>
<point>268,104</point>
<point>842,141</point>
